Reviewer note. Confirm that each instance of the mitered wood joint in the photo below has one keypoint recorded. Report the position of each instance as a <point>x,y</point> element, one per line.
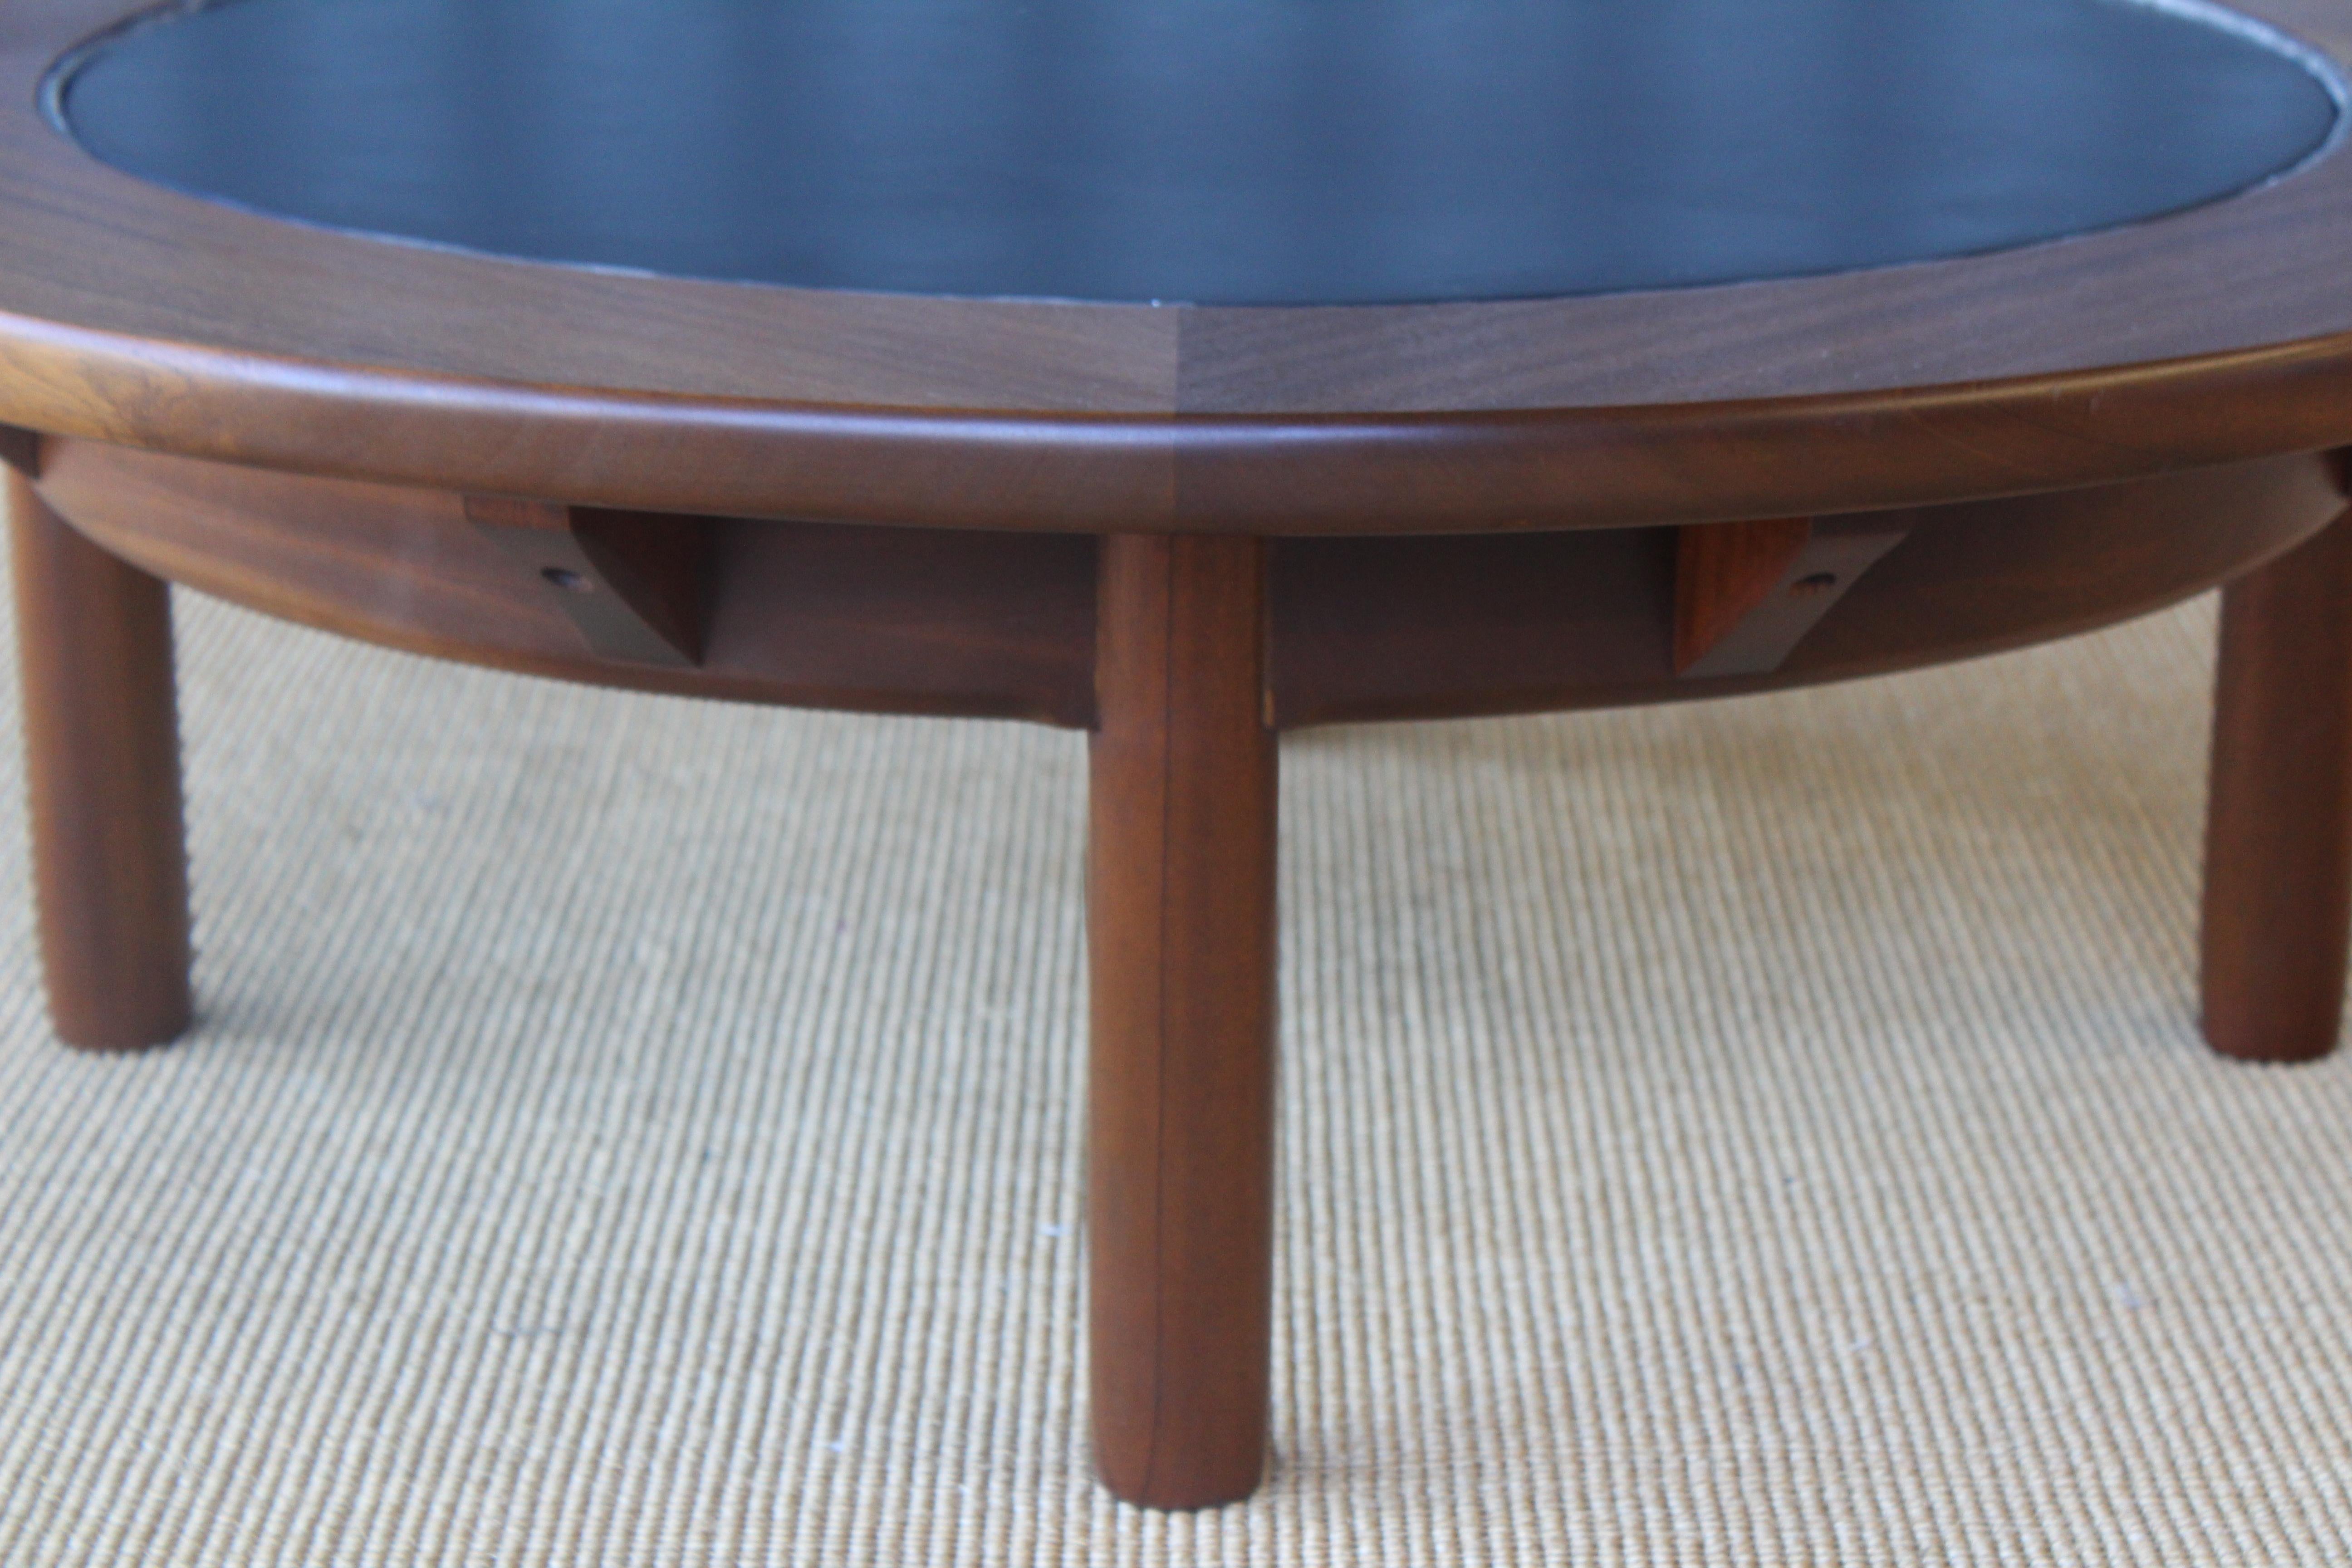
<point>1746,592</point>
<point>21,451</point>
<point>635,584</point>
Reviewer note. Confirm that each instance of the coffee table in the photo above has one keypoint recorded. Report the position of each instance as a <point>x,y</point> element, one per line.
<point>1185,373</point>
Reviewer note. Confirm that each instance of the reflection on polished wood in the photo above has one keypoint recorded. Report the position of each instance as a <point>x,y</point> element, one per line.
<point>2278,851</point>
<point>1185,526</point>
<point>1180,964</point>
<point>102,783</point>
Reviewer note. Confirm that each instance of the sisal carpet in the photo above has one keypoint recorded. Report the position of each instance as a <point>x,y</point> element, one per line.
<point>631,1131</point>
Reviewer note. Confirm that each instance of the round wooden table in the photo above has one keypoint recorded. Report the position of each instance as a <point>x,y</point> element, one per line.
<point>1183,371</point>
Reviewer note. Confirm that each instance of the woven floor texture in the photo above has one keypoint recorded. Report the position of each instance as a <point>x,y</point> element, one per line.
<point>635,1131</point>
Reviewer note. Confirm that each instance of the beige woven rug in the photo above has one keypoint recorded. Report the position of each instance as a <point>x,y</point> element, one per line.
<point>629,1131</point>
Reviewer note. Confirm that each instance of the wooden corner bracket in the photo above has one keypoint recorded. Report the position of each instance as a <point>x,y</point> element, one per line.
<point>1746,592</point>
<point>635,584</point>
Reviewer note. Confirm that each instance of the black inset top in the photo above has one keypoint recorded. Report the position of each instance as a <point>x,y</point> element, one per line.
<point>1233,151</point>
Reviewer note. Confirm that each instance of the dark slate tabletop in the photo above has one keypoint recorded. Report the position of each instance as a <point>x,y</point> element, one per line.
<point>1229,152</point>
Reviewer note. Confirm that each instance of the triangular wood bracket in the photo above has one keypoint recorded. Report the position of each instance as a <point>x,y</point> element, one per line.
<point>1746,592</point>
<point>635,584</point>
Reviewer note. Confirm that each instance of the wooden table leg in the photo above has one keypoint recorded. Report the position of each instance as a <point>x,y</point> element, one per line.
<point>2278,856</point>
<point>1180,933</point>
<point>102,778</point>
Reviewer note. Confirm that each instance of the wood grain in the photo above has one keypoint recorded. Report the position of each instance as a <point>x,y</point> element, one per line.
<point>925,621</point>
<point>636,584</point>
<point>817,615</point>
<point>102,783</point>
<point>2065,433</point>
<point>1789,592</point>
<point>1180,933</point>
<point>2278,855</point>
<point>133,314</point>
<point>1370,629</point>
<point>1722,572</point>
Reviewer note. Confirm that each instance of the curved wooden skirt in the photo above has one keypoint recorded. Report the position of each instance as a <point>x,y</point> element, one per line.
<point>1002,625</point>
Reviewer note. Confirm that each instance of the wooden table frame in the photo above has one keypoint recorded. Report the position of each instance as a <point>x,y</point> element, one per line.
<point>1183,530</point>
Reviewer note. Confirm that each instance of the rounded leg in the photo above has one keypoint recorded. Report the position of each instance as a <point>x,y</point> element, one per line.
<point>102,778</point>
<point>2278,855</point>
<point>1180,933</point>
